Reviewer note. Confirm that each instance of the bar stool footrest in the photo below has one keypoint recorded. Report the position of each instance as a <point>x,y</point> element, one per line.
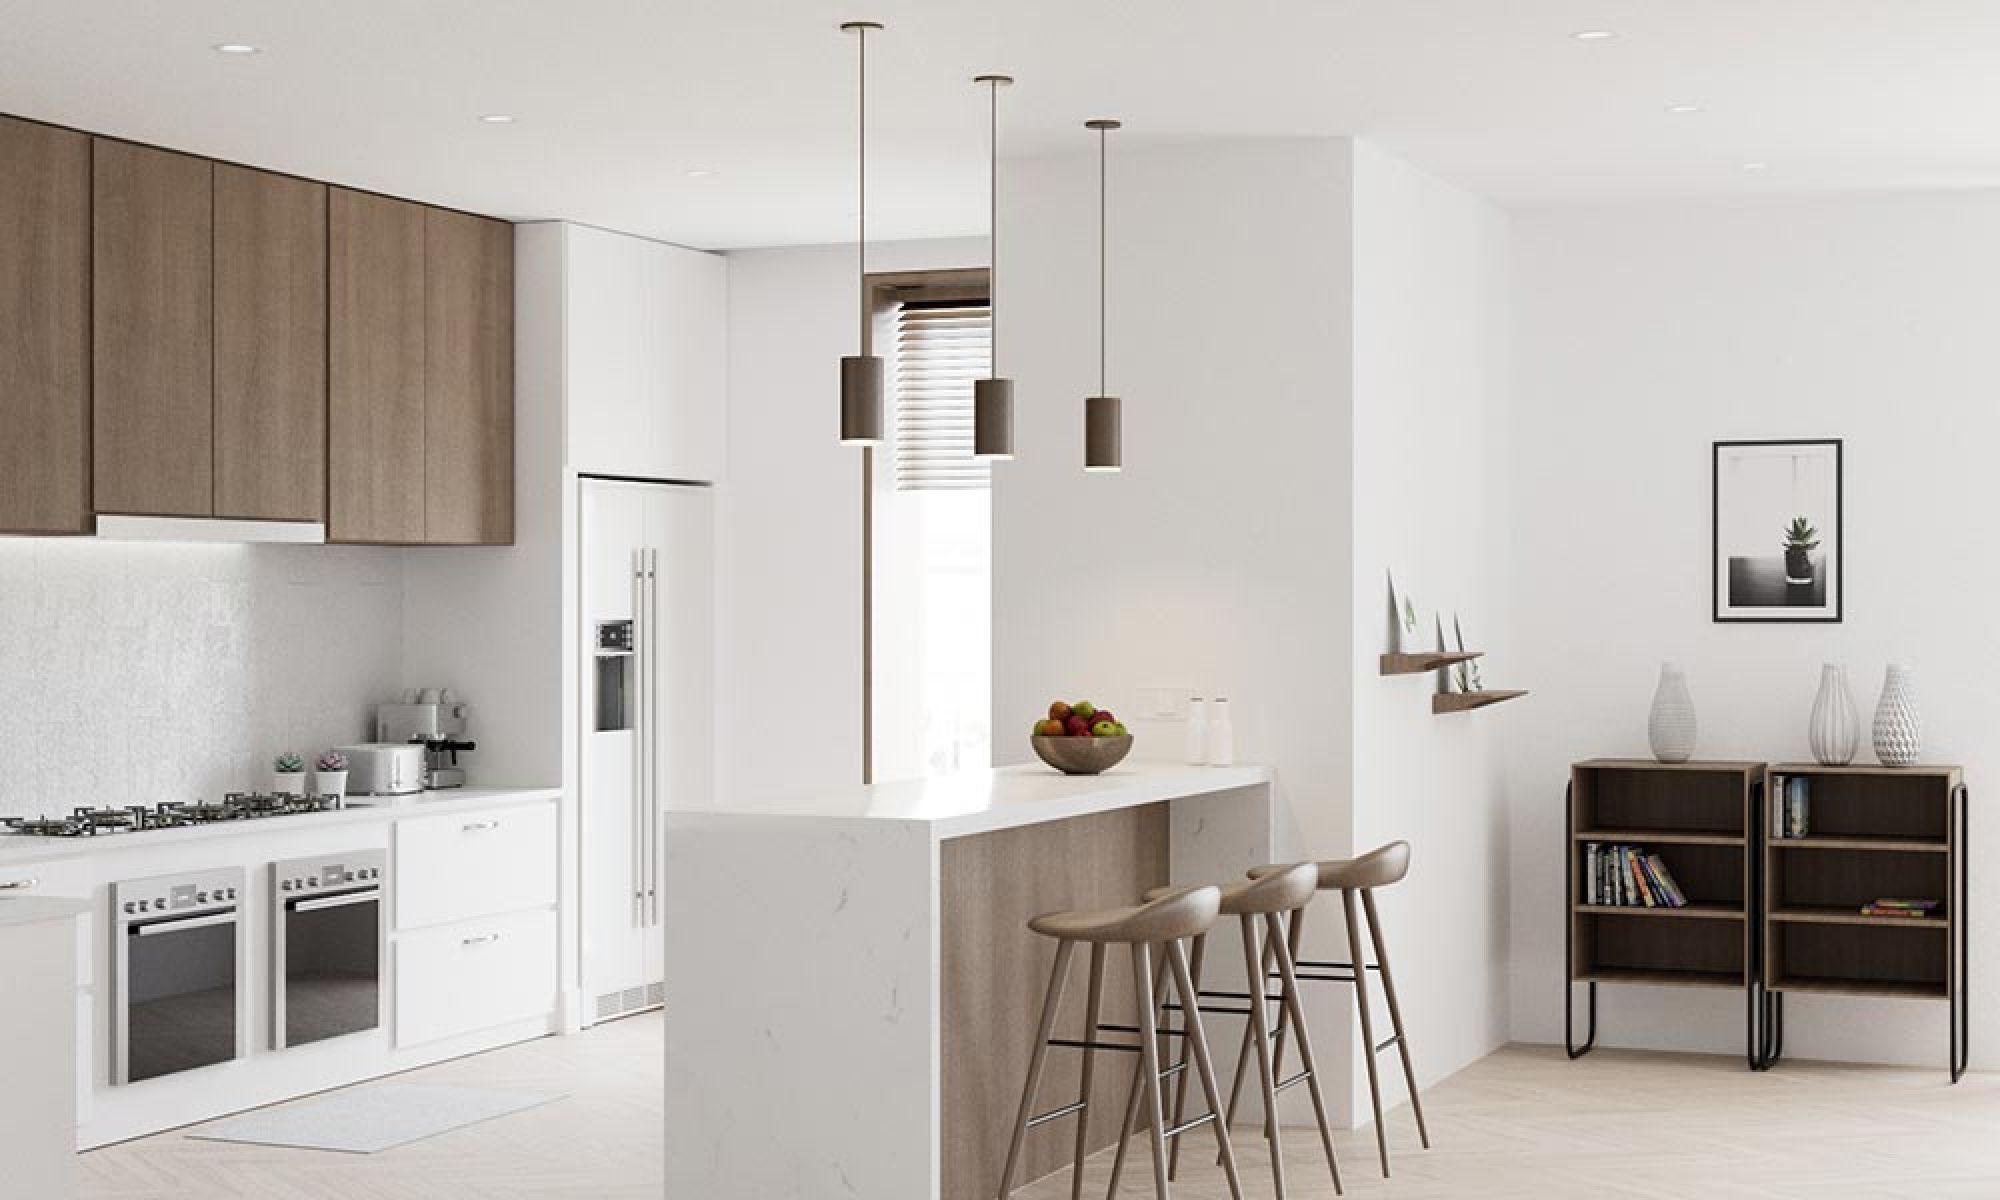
<point>1057,1114</point>
<point>1294,1081</point>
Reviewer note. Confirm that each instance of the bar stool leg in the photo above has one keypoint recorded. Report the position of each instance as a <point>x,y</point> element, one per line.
<point>1181,1081</point>
<point>1259,1028</point>
<point>1395,1010</point>
<point>1258,982</point>
<point>1130,1124</point>
<point>1184,984</point>
<point>1149,1049</point>
<point>1093,1007</point>
<point>1359,957</point>
<point>1295,1002</point>
<point>1048,1023</point>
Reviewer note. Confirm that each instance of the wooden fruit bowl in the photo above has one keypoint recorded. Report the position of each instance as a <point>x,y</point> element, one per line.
<point>1082,755</point>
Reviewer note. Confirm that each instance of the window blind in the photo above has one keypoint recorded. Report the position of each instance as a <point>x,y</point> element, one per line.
<point>942,347</point>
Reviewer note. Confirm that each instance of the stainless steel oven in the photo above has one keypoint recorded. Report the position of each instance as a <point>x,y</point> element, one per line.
<point>176,973</point>
<point>326,951</point>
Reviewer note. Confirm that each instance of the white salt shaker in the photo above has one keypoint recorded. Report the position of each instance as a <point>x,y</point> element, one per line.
<point>1221,735</point>
<point>1197,731</point>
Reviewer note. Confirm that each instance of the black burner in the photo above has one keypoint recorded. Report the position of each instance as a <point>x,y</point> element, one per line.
<point>173,814</point>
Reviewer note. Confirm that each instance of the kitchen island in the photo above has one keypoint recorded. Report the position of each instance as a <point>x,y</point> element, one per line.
<point>851,989</point>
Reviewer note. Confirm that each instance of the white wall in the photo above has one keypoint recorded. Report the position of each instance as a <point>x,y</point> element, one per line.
<point>139,672</point>
<point>1645,334</point>
<point>788,596</point>
<point>1433,468</point>
<point>1217,561</point>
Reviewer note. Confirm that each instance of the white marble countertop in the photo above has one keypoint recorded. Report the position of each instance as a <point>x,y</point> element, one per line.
<point>981,801</point>
<point>20,848</point>
<point>27,910</point>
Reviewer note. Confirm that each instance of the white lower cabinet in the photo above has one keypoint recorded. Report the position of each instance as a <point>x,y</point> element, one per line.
<point>463,865</point>
<point>473,975</point>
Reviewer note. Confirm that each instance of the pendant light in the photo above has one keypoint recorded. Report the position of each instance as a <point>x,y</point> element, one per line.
<point>861,374</point>
<point>993,396</point>
<point>1102,435</point>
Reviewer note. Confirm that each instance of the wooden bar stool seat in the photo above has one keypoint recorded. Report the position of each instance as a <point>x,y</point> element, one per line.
<point>1381,867</point>
<point>1262,906</point>
<point>1155,931</point>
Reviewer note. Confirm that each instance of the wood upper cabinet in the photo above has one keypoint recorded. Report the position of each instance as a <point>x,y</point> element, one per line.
<point>270,346</point>
<point>468,379</point>
<point>152,343</point>
<point>376,317</point>
<point>44,329</point>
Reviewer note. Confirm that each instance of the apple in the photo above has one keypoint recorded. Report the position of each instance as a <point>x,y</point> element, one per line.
<point>1102,714</point>
<point>1059,711</point>
<point>1118,729</point>
<point>1104,729</point>
<point>1049,728</point>
<point>1084,709</point>
<point>1076,726</point>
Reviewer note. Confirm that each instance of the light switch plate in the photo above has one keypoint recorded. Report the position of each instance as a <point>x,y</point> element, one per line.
<point>1164,703</point>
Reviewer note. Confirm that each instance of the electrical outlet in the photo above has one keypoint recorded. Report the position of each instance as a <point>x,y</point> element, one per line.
<point>1164,703</point>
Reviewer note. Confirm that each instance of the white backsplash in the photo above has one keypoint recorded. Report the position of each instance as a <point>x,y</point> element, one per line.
<point>135,672</point>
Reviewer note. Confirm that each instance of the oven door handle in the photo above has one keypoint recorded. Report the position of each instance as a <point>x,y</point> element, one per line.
<point>159,927</point>
<point>341,901</point>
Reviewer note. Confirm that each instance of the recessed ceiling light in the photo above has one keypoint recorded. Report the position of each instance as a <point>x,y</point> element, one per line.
<point>497,119</point>
<point>1593,35</point>
<point>236,48</point>
<point>1756,166</point>
<point>1683,110</point>
<point>701,173</point>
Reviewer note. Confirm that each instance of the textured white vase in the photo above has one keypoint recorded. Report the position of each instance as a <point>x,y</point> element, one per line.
<point>1671,727</point>
<point>1836,725</point>
<point>1899,727</point>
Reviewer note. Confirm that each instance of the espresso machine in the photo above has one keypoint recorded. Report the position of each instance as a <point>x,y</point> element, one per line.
<point>436,719</point>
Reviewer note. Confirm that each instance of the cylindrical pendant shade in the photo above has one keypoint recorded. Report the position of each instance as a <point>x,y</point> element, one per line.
<point>860,400</point>
<point>993,418</point>
<point>1103,441</point>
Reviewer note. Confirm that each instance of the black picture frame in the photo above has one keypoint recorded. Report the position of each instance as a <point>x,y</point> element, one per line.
<point>1832,609</point>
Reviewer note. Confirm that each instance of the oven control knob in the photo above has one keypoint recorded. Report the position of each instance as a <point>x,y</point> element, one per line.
<point>159,902</point>
<point>348,877</point>
<point>143,905</point>
<point>286,886</point>
<point>131,906</point>
<point>232,893</point>
<point>202,897</point>
<point>312,881</point>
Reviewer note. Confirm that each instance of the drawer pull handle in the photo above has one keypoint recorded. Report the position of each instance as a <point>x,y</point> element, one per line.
<point>478,826</point>
<point>481,940</point>
<point>19,885</point>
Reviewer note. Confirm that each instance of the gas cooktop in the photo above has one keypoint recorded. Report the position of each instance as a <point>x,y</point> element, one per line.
<point>236,806</point>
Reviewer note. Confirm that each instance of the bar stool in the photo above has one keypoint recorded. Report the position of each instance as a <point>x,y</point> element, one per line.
<point>1265,902</point>
<point>1159,925</point>
<point>1380,867</point>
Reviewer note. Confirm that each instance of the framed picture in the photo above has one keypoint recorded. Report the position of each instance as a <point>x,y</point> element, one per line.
<point>1777,554</point>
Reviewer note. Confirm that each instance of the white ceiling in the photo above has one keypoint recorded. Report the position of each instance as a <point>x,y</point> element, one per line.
<point>618,100</point>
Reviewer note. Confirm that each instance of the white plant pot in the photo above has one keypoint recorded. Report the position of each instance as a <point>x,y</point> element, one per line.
<point>329,783</point>
<point>288,783</point>
<point>1671,727</point>
<point>1899,727</point>
<point>1835,731</point>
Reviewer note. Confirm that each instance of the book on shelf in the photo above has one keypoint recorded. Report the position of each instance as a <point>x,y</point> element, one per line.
<point>1617,876</point>
<point>1889,906</point>
<point>1791,806</point>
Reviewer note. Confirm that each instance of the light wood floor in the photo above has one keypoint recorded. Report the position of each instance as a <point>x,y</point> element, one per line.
<point>1522,1124</point>
<point>605,1141</point>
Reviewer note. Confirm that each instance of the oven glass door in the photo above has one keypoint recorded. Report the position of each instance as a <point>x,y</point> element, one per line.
<point>331,962</point>
<point>179,994</point>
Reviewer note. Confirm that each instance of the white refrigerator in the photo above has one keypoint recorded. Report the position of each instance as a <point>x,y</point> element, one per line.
<point>646,601</point>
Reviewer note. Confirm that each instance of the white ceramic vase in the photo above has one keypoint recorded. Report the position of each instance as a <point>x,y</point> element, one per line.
<point>1899,727</point>
<point>1835,732</point>
<point>1671,728</point>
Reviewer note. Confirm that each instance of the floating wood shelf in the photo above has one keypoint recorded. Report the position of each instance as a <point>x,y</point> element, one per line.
<point>1417,664</point>
<point>1671,837</point>
<point>1713,912</point>
<point>1862,842</point>
<point>1451,702</point>
<point>1847,916</point>
<point>1913,989</point>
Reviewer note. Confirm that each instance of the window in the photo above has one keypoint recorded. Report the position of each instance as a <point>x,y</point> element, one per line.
<point>930,577</point>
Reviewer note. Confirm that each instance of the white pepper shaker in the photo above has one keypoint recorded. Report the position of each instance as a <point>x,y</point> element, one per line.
<point>1197,731</point>
<point>1221,735</point>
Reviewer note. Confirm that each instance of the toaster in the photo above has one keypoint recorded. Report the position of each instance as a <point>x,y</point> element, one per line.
<point>384,768</point>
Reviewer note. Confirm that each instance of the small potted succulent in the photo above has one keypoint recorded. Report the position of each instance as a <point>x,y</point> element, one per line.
<point>1801,539</point>
<point>330,774</point>
<point>288,774</point>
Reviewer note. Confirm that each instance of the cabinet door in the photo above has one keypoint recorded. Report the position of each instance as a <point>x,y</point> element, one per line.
<point>469,379</point>
<point>375,369</point>
<point>152,333</point>
<point>44,329</point>
<point>270,346</point>
<point>691,315</point>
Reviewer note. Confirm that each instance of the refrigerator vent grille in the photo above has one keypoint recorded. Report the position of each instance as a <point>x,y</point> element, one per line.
<point>630,1000</point>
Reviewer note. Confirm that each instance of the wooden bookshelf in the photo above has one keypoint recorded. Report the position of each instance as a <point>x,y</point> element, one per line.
<point>1698,817</point>
<point>1871,832</point>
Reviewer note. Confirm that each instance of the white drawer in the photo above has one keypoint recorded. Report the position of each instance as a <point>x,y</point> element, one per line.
<point>70,877</point>
<point>474,864</point>
<point>474,975</point>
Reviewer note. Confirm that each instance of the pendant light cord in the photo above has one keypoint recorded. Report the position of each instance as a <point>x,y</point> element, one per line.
<point>861,215</point>
<point>1102,271</point>
<point>993,232</point>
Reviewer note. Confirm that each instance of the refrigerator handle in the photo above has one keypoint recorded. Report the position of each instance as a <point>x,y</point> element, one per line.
<point>642,637</point>
<point>654,850</point>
